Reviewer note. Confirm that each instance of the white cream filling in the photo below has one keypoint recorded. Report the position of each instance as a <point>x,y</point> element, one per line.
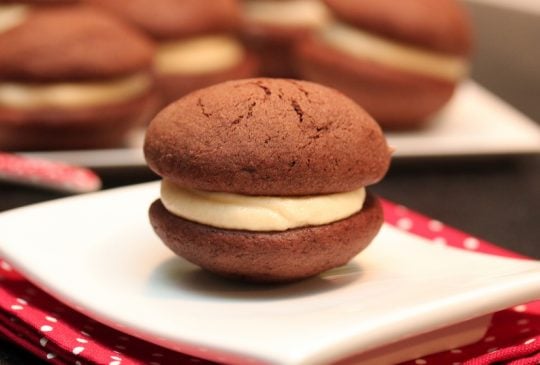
<point>259,213</point>
<point>11,16</point>
<point>199,55</point>
<point>401,56</point>
<point>74,94</point>
<point>305,13</point>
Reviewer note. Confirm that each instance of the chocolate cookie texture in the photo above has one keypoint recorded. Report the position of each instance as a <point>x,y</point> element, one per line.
<point>439,25</point>
<point>174,85</point>
<point>97,46</point>
<point>400,60</point>
<point>397,99</point>
<point>173,19</point>
<point>268,256</point>
<point>267,137</point>
<point>271,28</point>
<point>103,126</point>
<point>197,44</point>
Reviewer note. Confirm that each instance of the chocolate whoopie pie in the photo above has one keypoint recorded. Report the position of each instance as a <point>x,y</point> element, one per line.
<point>264,179</point>
<point>401,60</point>
<point>272,27</point>
<point>70,77</point>
<point>197,46</point>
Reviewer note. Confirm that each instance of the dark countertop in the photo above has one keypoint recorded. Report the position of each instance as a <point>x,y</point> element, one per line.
<point>497,198</point>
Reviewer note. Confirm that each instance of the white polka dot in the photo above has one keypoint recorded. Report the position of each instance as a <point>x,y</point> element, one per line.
<point>51,319</point>
<point>17,307</point>
<point>85,334</point>
<point>82,340</point>
<point>116,358</point>
<point>46,328</point>
<point>529,341</point>
<point>520,308</point>
<point>115,362</point>
<point>117,352</point>
<point>523,322</point>
<point>120,347</point>
<point>456,351</point>
<point>435,226</point>
<point>77,350</point>
<point>22,301</point>
<point>5,266</point>
<point>157,354</point>
<point>43,341</point>
<point>78,363</point>
<point>405,223</point>
<point>440,241</point>
<point>471,243</point>
<point>493,349</point>
<point>525,330</point>
<point>50,355</point>
<point>489,339</point>
<point>420,362</point>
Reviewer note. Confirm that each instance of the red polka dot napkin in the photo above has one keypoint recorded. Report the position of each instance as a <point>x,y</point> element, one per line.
<point>59,334</point>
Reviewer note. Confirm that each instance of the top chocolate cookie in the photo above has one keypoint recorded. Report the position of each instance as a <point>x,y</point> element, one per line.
<point>439,25</point>
<point>173,19</point>
<point>71,42</point>
<point>267,137</point>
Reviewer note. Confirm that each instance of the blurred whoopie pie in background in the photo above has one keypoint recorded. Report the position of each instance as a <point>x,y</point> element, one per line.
<point>70,77</point>
<point>272,27</point>
<point>197,44</point>
<point>401,60</point>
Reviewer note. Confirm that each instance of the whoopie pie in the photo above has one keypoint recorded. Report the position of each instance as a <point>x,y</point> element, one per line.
<point>70,77</point>
<point>197,41</point>
<point>264,179</point>
<point>401,60</point>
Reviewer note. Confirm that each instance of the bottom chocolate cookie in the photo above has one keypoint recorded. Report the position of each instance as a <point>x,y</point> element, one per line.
<point>269,256</point>
<point>76,128</point>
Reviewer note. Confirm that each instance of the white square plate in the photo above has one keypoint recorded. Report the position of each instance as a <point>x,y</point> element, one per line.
<point>98,253</point>
<point>475,122</point>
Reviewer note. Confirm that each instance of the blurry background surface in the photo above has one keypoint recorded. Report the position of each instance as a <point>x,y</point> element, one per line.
<point>507,54</point>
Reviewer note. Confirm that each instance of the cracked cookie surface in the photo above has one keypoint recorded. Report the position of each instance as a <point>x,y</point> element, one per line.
<point>267,137</point>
